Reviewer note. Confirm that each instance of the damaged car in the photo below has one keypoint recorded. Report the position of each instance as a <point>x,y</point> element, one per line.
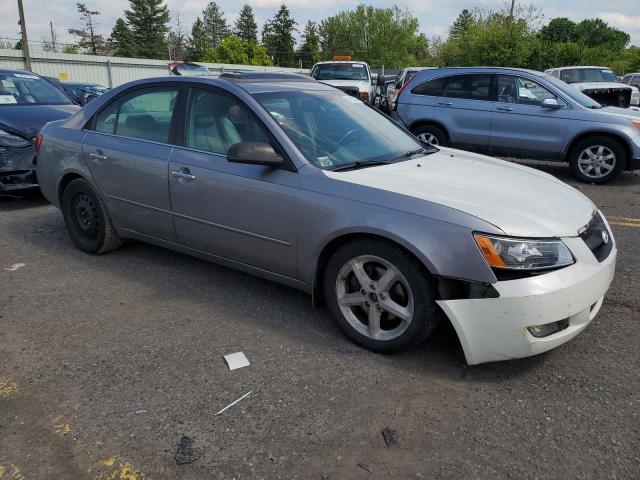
<point>27,102</point>
<point>286,178</point>
<point>599,83</point>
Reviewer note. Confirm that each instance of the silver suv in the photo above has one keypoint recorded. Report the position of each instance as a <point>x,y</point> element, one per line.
<point>520,113</point>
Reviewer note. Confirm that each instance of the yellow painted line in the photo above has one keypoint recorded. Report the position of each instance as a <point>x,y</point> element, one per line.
<point>62,429</point>
<point>626,219</point>
<point>7,388</point>
<point>119,470</point>
<point>625,224</point>
<point>12,472</point>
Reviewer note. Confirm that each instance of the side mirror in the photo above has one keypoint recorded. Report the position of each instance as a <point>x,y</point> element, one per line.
<point>550,103</point>
<point>254,153</point>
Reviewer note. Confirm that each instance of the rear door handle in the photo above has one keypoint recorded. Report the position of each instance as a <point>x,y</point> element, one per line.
<point>505,109</point>
<point>183,173</point>
<point>98,155</point>
<point>444,104</point>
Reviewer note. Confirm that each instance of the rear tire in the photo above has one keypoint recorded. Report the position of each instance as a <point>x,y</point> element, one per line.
<point>432,135</point>
<point>380,296</point>
<point>87,218</point>
<point>597,160</point>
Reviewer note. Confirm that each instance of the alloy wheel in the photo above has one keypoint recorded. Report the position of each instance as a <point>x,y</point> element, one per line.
<point>429,138</point>
<point>374,297</point>
<point>596,161</point>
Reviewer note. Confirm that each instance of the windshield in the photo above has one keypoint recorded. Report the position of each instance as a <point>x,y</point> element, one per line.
<point>573,93</point>
<point>334,130</point>
<point>340,71</point>
<point>28,89</point>
<point>583,75</point>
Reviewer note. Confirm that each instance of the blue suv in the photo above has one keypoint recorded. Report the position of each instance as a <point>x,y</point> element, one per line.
<point>519,113</point>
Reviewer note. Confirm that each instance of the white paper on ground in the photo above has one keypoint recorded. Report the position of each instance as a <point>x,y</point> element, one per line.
<point>236,360</point>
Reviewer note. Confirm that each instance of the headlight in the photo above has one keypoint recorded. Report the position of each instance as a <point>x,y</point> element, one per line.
<point>635,97</point>
<point>10,140</point>
<point>523,254</point>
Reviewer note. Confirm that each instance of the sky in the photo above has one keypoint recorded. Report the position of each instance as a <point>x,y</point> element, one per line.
<point>434,16</point>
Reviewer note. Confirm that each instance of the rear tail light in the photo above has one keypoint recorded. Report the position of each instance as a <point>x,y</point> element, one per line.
<point>395,102</point>
<point>37,141</point>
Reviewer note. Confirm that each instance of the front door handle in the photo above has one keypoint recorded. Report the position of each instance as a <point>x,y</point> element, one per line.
<point>444,104</point>
<point>505,109</point>
<point>183,173</point>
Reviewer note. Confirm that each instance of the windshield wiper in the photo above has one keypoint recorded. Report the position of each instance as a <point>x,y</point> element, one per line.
<point>359,164</point>
<point>411,153</point>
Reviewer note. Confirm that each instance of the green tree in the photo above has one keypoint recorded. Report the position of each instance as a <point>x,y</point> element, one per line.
<point>215,25</point>
<point>277,37</point>
<point>178,41</point>
<point>147,20</point>
<point>461,25</point>
<point>120,41</point>
<point>246,28</point>
<point>379,36</point>
<point>558,30</point>
<point>88,40</point>
<point>309,51</point>
<point>232,50</point>
<point>198,44</point>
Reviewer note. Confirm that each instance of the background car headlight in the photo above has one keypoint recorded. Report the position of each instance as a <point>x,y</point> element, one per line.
<point>10,140</point>
<point>523,254</point>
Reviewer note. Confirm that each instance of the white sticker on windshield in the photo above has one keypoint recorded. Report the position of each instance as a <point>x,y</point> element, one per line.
<point>352,99</point>
<point>4,99</point>
<point>23,75</point>
<point>606,71</point>
<point>325,161</point>
<point>356,65</point>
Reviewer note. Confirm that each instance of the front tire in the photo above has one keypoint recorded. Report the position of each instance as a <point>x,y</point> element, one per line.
<point>432,135</point>
<point>380,296</point>
<point>597,160</point>
<point>87,218</point>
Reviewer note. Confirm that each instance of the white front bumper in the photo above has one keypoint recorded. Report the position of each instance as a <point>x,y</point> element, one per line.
<point>494,329</point>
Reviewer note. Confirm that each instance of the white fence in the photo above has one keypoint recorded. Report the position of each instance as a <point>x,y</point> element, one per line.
<point>109,71</point>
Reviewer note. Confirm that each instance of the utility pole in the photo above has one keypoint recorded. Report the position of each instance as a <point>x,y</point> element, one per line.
<point>513,4</point>
<point>25,42</point>
<point>53,37</point>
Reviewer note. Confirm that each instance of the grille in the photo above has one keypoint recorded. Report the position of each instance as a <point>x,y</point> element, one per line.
<point>611,97</point>
<point>595,239</point>
<point>353,91</point>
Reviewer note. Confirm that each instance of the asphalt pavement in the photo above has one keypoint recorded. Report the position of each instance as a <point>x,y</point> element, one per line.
<point>108,362</point>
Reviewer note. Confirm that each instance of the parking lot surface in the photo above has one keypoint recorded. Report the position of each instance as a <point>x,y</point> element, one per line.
<point>106,362</point>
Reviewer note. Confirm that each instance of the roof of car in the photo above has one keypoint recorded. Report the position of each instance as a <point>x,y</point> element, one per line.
<point>24,72</point>
<point>580,67</point>
<point>340,61</point>
<point>265,77</point>
<point>482,70</point>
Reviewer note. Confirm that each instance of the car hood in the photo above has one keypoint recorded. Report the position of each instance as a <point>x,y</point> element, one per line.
<point>363,85</point>
<point>27,120</point>
<point>597,85</point>
<point>520,201</point>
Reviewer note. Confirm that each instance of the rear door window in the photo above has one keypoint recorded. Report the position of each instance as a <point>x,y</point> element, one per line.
<point>144,114</point>
<point>469,87</point>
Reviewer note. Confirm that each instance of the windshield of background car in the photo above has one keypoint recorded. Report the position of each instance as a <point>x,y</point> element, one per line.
<point>191,70</point>
<point>26,89</point>
<point>583,75</point>
<point>340,71</point>
<point>333,129</point>
<point>573,93</point>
